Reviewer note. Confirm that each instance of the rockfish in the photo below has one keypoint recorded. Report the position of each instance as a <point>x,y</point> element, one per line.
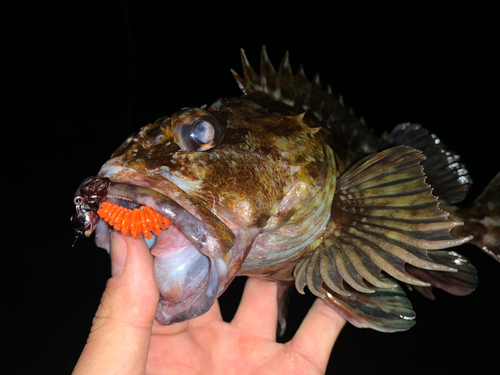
<point>287,185</point>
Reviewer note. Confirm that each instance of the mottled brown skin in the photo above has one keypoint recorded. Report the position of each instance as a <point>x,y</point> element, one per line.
<point>266,150</point>
<point>267,147</point>
<point>288,192</point>
<point>244,179</point>
<point>241,182</point>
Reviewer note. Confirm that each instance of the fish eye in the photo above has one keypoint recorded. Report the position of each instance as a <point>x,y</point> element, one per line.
<point>203,132</point>
<point>197,132</point>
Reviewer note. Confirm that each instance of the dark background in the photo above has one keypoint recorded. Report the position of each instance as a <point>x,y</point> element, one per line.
<point>81,76</point>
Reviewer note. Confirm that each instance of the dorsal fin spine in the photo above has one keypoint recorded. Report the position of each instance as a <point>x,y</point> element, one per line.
<point>298,92</point>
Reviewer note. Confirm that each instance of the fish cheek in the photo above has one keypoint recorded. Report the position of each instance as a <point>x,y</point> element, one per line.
<point>246,192</point>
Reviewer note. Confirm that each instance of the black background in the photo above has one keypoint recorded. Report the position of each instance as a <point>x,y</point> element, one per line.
<point>80,77</point>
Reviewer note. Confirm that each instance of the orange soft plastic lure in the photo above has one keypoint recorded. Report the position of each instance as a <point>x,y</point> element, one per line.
<point>143,220</point>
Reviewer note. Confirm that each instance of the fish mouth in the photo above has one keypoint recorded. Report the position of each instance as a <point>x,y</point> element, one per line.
<point>206,232</point>
<point>190,256</point>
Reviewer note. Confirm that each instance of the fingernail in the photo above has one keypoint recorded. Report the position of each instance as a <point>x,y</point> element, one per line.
<point>118,252</point>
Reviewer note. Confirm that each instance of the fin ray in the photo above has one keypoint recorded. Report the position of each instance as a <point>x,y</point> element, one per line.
<point>386,310</point>
<point>445,173</point>
<point>377,226</point>
<point>307,96</point>
<point>330,277</point>
<point>346,269</point>
<point>460,283</point>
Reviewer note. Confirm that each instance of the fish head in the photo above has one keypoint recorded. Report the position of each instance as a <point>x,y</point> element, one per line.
<point>224,175</point>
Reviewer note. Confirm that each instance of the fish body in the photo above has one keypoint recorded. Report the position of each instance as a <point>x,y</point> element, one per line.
<point>285,184</point>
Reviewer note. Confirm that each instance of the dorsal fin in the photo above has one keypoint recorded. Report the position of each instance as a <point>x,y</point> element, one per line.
<point>445,172</point>
<point>307,96</point>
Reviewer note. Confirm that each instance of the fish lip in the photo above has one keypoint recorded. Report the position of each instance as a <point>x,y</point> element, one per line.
<point>194,228</point>
<point>205,230</point>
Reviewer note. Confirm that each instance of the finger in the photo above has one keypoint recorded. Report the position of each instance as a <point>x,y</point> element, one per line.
<point>133,289</point>
<point>258,309</point>
<point>121,330</point>
<point>318,332</point>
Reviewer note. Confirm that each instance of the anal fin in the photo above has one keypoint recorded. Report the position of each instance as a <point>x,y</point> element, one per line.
<point>386,310</point>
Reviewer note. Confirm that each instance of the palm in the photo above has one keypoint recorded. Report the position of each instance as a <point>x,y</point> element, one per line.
<point>247,345</point>
<point>121,331</point>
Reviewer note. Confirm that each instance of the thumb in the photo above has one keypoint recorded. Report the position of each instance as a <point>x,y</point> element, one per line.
<point>121,330</point>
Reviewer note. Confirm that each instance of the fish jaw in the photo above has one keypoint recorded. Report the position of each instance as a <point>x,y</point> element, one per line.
<point>212,277</point>
<point>209,234</point>
<point>194,260</point>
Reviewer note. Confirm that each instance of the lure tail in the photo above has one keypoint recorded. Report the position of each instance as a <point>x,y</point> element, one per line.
<point>481,219</point>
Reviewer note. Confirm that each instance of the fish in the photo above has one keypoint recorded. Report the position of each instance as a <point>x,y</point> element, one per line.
<point>286,184</point>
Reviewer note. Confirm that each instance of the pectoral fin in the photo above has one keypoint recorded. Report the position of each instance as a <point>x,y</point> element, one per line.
<point>383,218</point>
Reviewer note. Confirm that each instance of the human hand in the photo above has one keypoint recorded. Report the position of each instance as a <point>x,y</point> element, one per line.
<point>125,338</point>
